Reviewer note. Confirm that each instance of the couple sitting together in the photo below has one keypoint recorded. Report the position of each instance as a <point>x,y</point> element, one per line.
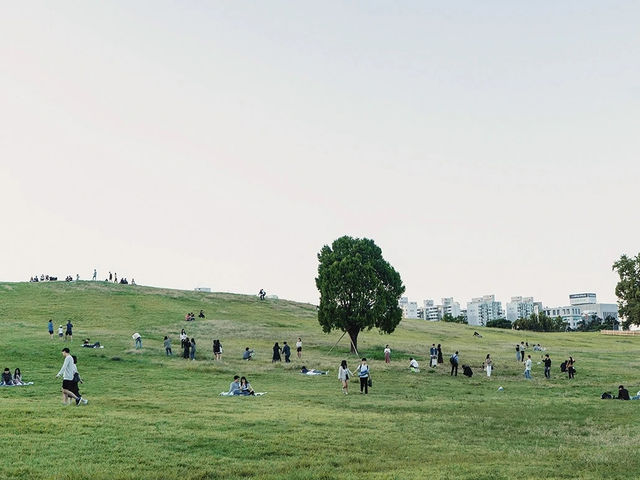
<point>240,386</point>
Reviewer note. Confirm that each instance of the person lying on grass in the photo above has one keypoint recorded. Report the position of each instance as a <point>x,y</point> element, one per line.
<point>305,371</point>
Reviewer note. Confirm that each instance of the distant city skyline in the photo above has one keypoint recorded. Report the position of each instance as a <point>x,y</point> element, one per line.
<point>487,148</point>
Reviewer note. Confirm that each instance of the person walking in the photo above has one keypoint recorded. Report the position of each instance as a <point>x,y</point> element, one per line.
<point>192,352</point>
<point>76,381</point>
<point>167,346</point>
<point>364,374</point>
<point>547,366</point>
<point>276,353</point>
<point>69,332</point>
<point>453,360</point>
<point>570,369</point>
<point>387,354</point>
<point>527,368</point>
<point>344,374</point>
<point>299,347</point>
<point>488,365</point>
<point>50,328</point>
<point>67,372</point>
<point>286,350</point>
<point>440,359</point>
<point>95,275</point>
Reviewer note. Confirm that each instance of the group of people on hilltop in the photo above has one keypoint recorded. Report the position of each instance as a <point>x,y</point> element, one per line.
<point>286,351</point>
<point>43,278</point>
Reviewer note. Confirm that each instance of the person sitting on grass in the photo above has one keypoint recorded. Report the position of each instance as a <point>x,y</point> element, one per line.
<point>234,388</point>
<point>623,393</point>
<point>7,379</point>
<point>245,387</point>
<point>201,314</point>
<point>17,377</point>
<point>305,371</point>
<point>413,365</point>
<point>248,354</point>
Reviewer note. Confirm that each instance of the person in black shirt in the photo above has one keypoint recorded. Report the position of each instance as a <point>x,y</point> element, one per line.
<point>286,350</point>
<point>623,393</point>
<point>547,366</point>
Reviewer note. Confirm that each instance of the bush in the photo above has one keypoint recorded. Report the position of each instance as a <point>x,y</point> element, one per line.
<point>499,323</point>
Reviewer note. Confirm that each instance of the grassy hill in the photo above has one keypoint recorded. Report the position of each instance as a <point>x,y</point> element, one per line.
<point>155,417</point>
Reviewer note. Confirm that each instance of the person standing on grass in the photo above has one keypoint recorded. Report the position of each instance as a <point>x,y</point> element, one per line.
<point>95,275</point>
<point>186,349</point>
<point>192,353</point>
<point>50,327</point>
<point>364,374</point>
<point>167,346</point>
<point>69,332</point>
<point>440,359</point>
<point>387,354</point>
<point>527,368</point>
<point>60,333</point>
<point>517,352</point>
<point>488,364</point>
<point>344,374</point>
<point>299,347</point>
<point>453,360</point>
<point>183,338</point>
<point>217,350</point>
<point>276,353</point>
<point>138,340</point>
<point>522,349</point>
<point>570,370</point>
<point>433,354</point>
<point>286,350</point>
<point>67,372</point>
<point>547,366</point>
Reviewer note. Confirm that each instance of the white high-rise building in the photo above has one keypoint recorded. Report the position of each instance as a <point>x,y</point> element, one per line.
<point>482,309</point>
<point>522,307</point>
<point>450,307</point>
<point>583,304</point>
<point>409,309</point>
<point>432,312</point>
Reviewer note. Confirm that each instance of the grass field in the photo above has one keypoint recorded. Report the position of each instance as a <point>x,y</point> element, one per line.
<point>155,417</point>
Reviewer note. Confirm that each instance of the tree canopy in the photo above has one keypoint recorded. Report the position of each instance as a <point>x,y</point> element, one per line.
<point>628,289</point>
<point>359,289</point>
<point>540,323</point>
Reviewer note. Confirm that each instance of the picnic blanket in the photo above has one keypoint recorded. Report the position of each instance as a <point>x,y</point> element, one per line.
<point>24,384</point>
<point>229,394</point>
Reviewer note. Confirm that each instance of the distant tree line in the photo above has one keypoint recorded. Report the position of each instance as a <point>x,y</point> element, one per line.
<point>447,317</point>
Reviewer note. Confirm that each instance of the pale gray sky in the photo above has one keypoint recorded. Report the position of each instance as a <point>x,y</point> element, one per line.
<point>487,147</point>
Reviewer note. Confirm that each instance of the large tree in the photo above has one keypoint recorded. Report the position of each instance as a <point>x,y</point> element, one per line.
<point>628,289</point>
<point>358,288</point>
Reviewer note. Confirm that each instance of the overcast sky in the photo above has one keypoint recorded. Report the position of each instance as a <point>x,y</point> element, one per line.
<point>486,147</point>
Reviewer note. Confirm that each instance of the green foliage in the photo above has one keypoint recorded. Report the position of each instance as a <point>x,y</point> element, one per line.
<point>499,323</point>
<point>595,324</point>
<point>447,317</point>
<point>628,289</point>
<point>540,323</point>
<point>358,288</point>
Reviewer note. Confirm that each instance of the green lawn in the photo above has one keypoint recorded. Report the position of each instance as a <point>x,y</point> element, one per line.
<point>154,417</point>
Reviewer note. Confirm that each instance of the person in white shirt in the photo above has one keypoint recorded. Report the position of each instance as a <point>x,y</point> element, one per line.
<point>299,347</point>
<point>387,354</point>
<point>527,368</point>
<point>413,365</point>
<point>344,374</point>
<point>488,365</point>
<point>66,372</point>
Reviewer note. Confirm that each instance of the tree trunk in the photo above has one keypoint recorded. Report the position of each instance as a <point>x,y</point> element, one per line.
<point>353,335</point>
